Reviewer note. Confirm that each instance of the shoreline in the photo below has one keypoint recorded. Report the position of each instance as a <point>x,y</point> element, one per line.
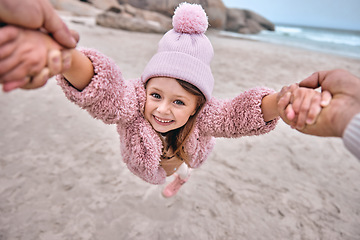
<point>345,51</point>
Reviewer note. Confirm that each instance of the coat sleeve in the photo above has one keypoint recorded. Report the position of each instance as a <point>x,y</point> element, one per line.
<point>107,97</point>
<point>241,116</point>
<point>351,136</point>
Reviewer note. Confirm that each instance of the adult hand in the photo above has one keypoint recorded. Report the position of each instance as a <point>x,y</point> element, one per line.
<point>345,102</point>
<point>302,105</point>
<point>25,59</point>
<point>36,14</point>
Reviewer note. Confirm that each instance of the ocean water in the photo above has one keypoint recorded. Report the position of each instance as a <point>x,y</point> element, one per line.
<point>338,42</point>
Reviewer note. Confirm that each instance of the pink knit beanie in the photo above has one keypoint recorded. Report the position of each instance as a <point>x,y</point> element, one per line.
<point>185,52</point>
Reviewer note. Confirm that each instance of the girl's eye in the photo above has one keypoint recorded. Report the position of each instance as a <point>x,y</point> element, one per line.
<point>178,102</point>
<point>155,95</point>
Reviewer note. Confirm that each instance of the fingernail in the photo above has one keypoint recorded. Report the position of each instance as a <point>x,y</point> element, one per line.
<point>310,121</point>
<point>73,42</point>
<point>324,103</point>
<point>56,59</point>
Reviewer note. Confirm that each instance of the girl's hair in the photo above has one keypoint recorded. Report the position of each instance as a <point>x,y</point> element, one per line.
<point>176,138</point>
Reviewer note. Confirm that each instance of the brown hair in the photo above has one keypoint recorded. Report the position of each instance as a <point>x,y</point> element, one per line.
<point>176,138</point>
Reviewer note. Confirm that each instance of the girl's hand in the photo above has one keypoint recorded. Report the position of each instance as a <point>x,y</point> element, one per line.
<point>285,108</point>
<point>299,107</point>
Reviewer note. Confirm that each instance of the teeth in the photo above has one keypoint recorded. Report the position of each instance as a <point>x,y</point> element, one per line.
<point>163,121</point>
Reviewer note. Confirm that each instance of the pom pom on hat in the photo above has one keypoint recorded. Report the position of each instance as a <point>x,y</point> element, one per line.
<point>190,18</point>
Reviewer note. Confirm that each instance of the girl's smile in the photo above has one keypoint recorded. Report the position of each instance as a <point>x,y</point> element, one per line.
<point>168,105</point>
<point>162,122</point>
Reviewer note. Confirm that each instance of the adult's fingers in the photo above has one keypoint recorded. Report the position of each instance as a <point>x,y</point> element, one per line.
<point>312,81</point>
<point>39,80</point>
<point>11,69</point>
<point>36,14</point>
<point>7,34</point>
<point>28,82</point>
<point>285,109</point>
<point>325,79</point>
<point>325,98</point>
<point>6,50</point>
<point>9,86</point>
<point>58,29</point>
<point>314,109</point>
<point>75,35</point>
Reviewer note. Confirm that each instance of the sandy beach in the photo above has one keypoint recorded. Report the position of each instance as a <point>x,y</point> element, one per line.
<point>62,175</point>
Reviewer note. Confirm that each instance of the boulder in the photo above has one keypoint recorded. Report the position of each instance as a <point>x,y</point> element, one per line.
<point>77,8</point>
<point>251,27</point>
<point>246,22</point>
<point>215,9</point>
<point>155,15</point>
<point>263,22</point>
<point>133,19</point>
<point>236,19</point>
<point>104,4</point>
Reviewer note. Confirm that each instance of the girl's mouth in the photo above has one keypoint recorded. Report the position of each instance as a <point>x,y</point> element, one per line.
<point>162,121</point>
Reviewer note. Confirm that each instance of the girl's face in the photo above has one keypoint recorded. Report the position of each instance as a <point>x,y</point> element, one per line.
<point>168,105</point>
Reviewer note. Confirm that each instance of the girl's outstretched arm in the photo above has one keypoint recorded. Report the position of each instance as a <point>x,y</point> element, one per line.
<point>240,116</point>
<point>95,83</point>
<point>81,70</point>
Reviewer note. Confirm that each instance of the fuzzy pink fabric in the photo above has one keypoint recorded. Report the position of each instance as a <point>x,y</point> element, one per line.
<point>113,100</point>
<point>190,18</point>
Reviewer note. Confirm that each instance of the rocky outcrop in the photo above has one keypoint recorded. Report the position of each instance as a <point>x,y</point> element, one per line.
<point>215,9</point>
<point>77,8</point>
<point>103,4</point>
<point>246,22</point>
<point>155,15</point>
<point>133,19</point>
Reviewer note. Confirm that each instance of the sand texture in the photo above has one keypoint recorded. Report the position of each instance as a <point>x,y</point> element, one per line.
<point>62,176</point>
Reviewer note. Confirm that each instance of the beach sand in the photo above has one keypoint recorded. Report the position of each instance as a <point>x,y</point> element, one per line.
<point>62,175</point>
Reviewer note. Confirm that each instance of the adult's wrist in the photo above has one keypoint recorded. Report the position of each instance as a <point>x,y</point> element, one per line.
<point>345,117</point>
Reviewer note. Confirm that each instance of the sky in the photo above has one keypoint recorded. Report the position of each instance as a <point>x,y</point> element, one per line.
<point>337,14</point>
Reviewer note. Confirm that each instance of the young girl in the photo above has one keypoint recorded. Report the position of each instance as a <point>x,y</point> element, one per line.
<point>167,119</point>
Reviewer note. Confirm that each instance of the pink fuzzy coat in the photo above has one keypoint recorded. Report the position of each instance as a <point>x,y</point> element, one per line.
<point>115,101</point>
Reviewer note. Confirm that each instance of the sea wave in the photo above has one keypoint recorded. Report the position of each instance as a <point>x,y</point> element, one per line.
<point>345,43</point>
<point>288,30</point>
<point>346,40</point>
<point>320,35</point>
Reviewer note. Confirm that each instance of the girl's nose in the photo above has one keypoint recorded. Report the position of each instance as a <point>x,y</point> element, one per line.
<point>163,107</point>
